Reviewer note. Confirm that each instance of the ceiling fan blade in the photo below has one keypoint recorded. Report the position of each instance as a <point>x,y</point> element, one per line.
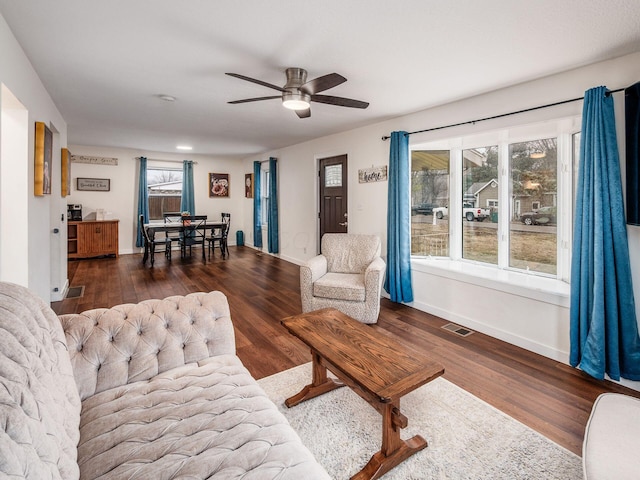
<point>339,101</point>
<point>259,82</point>
<point>257,99</point>
<point>323,83</point>
<point>304,113</point>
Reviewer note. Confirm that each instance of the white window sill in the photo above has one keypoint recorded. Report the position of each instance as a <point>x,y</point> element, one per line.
<point>548,290</point>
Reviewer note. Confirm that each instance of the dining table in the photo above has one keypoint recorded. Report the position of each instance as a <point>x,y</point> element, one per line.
<point>167,228</point>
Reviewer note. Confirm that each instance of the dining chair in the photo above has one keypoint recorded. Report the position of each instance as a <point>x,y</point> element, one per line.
<point>172,219</point>
<point>193,232</point>
<point>151,242</point>
<point>219,235</point>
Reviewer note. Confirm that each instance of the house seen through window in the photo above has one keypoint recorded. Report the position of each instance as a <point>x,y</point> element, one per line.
<point>165,191</point>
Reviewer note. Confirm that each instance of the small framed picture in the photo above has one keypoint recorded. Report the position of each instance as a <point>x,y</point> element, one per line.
<point>248,185</point>
<point>218,184</point>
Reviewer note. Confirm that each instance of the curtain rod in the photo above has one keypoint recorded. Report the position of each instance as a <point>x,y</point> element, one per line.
<point>161,160</point>
<point>387,137</point>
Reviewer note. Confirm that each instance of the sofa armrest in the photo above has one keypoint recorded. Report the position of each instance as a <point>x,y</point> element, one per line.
<point>128,343</point>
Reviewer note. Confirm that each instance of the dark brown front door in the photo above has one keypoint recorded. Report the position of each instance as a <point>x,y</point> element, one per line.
<point>333,195</point>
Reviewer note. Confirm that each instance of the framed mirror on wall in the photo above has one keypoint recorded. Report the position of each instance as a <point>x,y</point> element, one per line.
<point>632,134</point>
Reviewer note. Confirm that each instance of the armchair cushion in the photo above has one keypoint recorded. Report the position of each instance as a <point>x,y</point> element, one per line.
<point>342,286</point>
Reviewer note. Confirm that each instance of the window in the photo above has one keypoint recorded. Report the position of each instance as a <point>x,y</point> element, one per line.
<point>429,202</point>
<point>165,191</point>
<point>479,184</point>
<point>264,193</point>
<point>502,199</point>
<point>534,183</point>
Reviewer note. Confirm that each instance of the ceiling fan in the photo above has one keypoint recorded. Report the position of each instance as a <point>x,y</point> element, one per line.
<point>297,93</point>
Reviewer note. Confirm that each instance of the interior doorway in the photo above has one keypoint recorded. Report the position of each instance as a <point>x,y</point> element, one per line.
<point>14,189</point>
<point>333,195</point>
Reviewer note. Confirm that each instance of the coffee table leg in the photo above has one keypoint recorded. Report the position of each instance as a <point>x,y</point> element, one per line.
<point>394,450</point>
<point>320,383</point>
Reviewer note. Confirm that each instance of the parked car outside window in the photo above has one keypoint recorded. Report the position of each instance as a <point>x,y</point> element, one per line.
<point>542,216</point>
<point>423,208</point>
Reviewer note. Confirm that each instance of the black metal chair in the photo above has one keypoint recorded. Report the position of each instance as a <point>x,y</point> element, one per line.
<point>151,242</point>
<point>219,235</point>
<point>172,219</point>
<point>193,233</point>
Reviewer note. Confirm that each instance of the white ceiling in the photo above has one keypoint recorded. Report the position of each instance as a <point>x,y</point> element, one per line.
<point>105,62</point>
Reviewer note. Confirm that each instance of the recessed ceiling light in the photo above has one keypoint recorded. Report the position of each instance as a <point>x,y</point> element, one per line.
<point>167,98</point>
<point>184,147</point>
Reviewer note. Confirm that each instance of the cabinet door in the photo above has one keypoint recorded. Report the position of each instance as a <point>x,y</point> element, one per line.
<point>109,238</point>
<point>90,239</point>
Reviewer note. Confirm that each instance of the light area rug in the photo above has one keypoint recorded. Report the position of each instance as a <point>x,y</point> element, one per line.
<point>467,437</point>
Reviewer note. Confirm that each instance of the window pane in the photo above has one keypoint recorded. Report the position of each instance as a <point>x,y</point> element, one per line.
<point>165,191</point>
<point>480,204</point>
<point>429,202</point>
<point>534,193</point>
<point>333,176</point>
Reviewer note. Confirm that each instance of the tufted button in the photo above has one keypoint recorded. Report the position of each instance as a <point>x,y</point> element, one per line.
<point>80,347</point>
<point>192,321</point>
<point>166,325</point>
<point>111,339</point>
<point>140,332</point>
<point>183,345</point>
<point>129,360</point>
<point>99,365</point>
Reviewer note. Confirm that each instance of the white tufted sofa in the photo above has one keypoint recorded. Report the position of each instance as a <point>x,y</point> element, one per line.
<point>347,275</point>
<point>146,391</point>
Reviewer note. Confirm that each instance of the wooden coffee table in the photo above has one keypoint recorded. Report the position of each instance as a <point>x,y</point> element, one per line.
<point>375,366</point>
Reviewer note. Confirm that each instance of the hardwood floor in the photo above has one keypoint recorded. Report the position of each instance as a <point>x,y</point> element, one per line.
<point>548,396</point>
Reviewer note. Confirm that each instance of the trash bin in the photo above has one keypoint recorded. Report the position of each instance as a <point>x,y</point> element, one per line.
<point>240,238</point>
<point>494,217</point>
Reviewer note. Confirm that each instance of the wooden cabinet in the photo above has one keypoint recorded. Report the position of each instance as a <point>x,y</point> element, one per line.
<point>92,239</point>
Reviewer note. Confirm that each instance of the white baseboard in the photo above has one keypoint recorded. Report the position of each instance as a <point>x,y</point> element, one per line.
<point>60,295</point>
<point>508,337</point>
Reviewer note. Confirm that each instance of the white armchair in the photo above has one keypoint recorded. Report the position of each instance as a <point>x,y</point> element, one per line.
<point>347,275</point>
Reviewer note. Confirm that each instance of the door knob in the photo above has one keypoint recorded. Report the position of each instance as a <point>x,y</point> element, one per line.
<point>344,224</point>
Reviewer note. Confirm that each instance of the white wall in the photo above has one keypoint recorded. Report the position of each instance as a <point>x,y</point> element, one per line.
<point>121,202</point>
<point>538,324</point>
<point>44,213</point>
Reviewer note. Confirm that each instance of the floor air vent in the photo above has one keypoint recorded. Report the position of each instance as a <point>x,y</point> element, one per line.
<point>457,329</point>
<point>75,292</point>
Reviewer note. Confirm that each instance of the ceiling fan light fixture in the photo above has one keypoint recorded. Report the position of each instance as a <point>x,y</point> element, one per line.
<point>296,100</point>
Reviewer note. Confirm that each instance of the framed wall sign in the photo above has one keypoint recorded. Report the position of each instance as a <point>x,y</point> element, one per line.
<point>373,174</point>
<point>218,184</point>
<point>93,184</point>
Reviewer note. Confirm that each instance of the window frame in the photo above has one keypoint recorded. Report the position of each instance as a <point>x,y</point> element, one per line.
<point>564,130</point>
